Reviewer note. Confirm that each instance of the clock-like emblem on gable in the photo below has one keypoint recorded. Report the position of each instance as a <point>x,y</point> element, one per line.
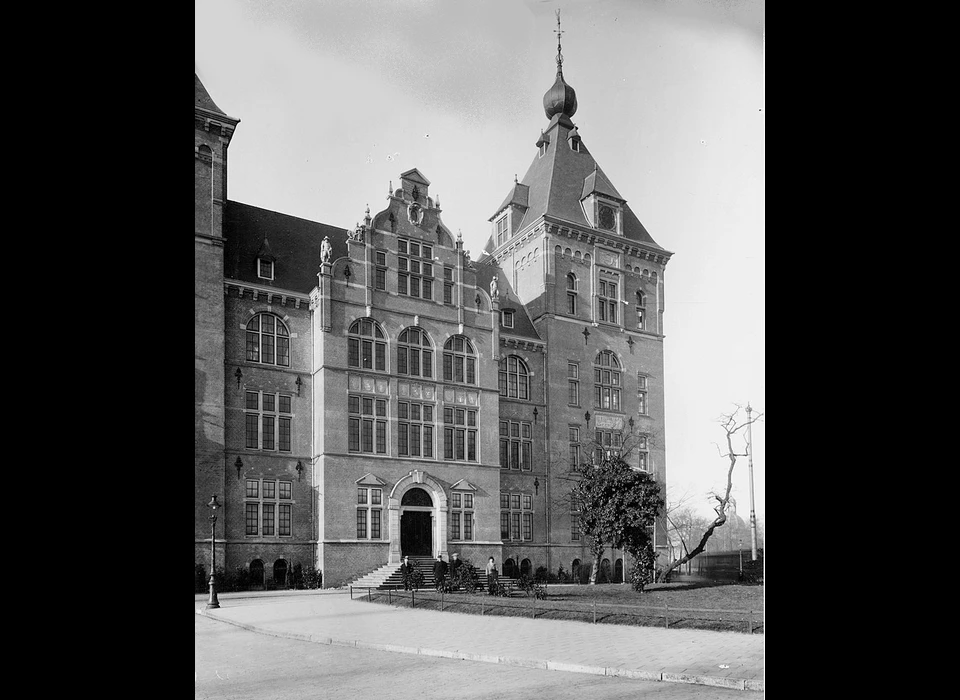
<point>607,217</point>
<point>415,213</point>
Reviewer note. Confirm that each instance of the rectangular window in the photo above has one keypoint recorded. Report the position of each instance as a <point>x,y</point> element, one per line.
<point>515,526</point>
<point>263,515</point>
<point>504,525</point>
<point>264,269</point>
<point>516,446</point>
<point>361,523</point>
<point>366,432</point>
<point>415,439</point>
<point>573,384</point>
<point>375,524</point>
<point>572,303</point>
<point>252,518</point>
<point>460,434</point>
<point>455,525</point>
<point>574,439</point>
<point>416,265</point>
<point>268,518</point>
<point>506,318</point>
<point>641,394</point>
<point>607,301</point>
<point>468,526</point>
<point>528,526</point>
<point>502,230</point>
<point>380,279</point>
<point>267,422</point>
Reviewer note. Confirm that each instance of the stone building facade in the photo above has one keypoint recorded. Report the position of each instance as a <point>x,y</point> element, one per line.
<point>367,393</point>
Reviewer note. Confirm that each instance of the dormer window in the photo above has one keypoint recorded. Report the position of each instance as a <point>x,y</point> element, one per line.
<point>575,145</point>
<point>502,230</point>
<point>606,216</point>
<point>265,269</point>
<point>506,318</point>
<point>542,144</point>
<point>543,149</point>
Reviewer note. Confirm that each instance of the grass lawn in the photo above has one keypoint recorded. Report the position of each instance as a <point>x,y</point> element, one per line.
<point>700,605</point>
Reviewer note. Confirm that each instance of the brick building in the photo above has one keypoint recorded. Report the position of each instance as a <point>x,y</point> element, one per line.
<point>367,393</point>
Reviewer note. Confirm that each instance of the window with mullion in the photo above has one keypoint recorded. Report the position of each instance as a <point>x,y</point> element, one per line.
<point>267,421</point>
<point>460,434</point>
<point>268,340</point>
<point>607,301</point>
<point>459,361</point>
<point>514,378</point>
<point>516,446</point>
<point>606,377</point>
<point>416,265</point>
<point>265,513</point>
<point>366,345</point>
<point>415,429</point>
<point>366,424</point>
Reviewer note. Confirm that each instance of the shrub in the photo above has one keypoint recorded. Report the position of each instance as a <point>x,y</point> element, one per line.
<point>465,577</point>
<point>312,578</point>
<point>643,571</point>
<point>296,577</point>
<point>561,574</point>
<point>541,574</point>
<point>500,590</point>
<point>242,579</point>
<point>200,580</point>
<point>539,591</point>
<point>412,579</point>
<point>753,571</point>
<point>526,584</point>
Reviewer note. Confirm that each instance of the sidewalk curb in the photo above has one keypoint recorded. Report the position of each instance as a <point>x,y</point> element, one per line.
<point>722,682</point>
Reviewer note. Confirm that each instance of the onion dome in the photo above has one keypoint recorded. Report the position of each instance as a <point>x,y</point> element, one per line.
<point>560,99</point>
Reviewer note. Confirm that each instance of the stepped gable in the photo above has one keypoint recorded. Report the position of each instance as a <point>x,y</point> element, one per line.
<point>293,242</point>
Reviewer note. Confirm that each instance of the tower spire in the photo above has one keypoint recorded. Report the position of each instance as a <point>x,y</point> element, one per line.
<point>561,98</point>
<point>559,32</point>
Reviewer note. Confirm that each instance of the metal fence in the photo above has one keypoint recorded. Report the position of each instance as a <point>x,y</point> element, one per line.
<point>446,600</point>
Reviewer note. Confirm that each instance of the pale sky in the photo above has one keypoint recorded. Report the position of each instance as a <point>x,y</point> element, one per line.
<point>337,97</point>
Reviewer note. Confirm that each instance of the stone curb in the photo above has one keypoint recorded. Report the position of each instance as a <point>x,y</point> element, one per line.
<point>732,683</point>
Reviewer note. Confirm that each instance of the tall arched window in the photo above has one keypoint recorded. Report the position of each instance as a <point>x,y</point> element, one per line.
<point>641,309</point>
<point>366,345</point>
<point>514,378</point>
<point>414,353</point>
<point>459,361</point>
<point>268,340</point>
<point>571,293</point>
<point>606,381</point>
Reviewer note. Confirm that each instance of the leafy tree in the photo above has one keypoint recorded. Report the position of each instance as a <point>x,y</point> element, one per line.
<point>617,504</point>
<point>732,424</point>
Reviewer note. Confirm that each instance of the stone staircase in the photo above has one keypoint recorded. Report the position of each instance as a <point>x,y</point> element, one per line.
<point>388,576</point>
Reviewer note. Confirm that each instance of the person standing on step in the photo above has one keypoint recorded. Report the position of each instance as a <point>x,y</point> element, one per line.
<point>406,571</point>
<point>439,571</point>
<point>491,576</point>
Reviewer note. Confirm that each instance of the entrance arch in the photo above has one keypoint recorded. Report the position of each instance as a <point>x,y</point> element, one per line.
<point>417,508</point>
<point>416,523</point>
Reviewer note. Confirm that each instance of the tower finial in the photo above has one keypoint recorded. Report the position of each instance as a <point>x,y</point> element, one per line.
<point>559,32</point>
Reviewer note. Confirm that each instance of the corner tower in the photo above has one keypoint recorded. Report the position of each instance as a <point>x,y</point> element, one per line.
<point>213,130</point>
<point>590,276</point>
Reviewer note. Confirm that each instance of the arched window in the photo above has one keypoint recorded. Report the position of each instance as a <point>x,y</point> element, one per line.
<point>256,574</point>
<point>268,340</point>
<point>414,353</point>
<point>606,380</point>
<point>366,345</point>
<point>459,361</point>
<point>514,378</point>
<point>510,568</point>
<point>618,571</point>
<point>280,573</point>
<point>571,293</point>
<point>604,576</point>
<point>526,568</point>
<point>641,309</point>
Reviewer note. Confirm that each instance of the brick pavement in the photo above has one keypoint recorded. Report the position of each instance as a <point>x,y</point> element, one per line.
<point>649,653</point>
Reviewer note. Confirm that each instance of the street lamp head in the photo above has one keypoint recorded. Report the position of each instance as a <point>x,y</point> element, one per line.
<point>213,505</point>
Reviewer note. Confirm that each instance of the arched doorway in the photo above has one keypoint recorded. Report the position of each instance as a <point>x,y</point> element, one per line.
<point>280,572</point>
<point>510,568</point>
<point>618,571</point>
<point>525,568</point>
<point>604,576</point>
<point>416,523</point>
<point>575,570</point>
<point>256,574</point>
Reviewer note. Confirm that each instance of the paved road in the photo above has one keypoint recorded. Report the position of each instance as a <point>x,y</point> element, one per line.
<point>232,663</point>
<point>724,659</point>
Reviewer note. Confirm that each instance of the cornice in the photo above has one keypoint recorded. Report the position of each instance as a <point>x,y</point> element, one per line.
<point>566,229</point>
<point>517,343</point>
<point>269,295</point>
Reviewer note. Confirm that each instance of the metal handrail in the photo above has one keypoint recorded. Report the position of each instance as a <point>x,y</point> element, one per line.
<point>483,603</point>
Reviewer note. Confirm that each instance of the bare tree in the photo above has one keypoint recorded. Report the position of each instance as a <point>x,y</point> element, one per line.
<point>732,424</point>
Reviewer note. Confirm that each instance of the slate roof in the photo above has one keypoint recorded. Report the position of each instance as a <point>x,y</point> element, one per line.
<point>203,99</point>
<point>522,325</point>
<point>294,242</point>
<point>560,178</point>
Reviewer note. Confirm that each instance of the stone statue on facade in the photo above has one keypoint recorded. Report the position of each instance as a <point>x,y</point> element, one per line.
<point>326,250</point>
<point>494,289</point>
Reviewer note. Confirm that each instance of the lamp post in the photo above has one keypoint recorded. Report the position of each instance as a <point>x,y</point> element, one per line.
<point>753,513</point>
<point>213,505</point>
<point>740,550</point>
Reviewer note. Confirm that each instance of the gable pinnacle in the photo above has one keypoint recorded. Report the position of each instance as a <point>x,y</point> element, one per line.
<point>559,32</point>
